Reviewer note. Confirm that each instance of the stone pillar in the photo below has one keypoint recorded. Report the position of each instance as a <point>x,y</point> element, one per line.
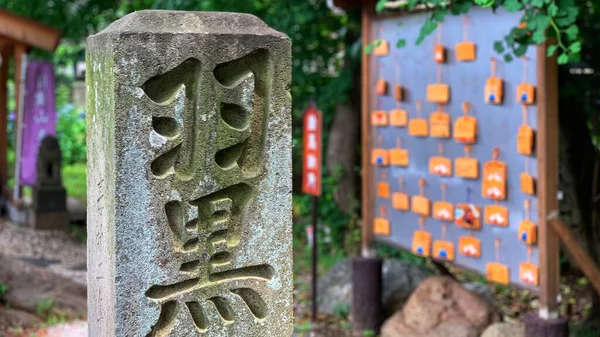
<point>189,177</point>
<point>49,197</point>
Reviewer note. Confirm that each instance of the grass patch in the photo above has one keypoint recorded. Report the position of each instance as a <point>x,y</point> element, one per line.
<point>74,180</point>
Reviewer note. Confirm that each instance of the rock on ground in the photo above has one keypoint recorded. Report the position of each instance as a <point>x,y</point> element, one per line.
<point>399,280</point>
<point>441,306</point>
<point>505,329</point>
<point>28,284</point>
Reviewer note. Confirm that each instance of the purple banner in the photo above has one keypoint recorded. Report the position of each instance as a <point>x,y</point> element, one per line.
<point>39,116</point>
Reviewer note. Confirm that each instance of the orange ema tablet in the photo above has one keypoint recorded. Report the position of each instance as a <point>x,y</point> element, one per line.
<point>466,167</point>
<point>420,205</point>
<point>465,51</point>
<point>421,244</point>
<point>382,48</point>
<point>398,117</point>
<point>440,166</point>
<point>497,272</point>
<point>525,140</point>
<point>496,215</point>
<point>438,93</point>
<point>379,118</point>
<point>380,157</point>
<point>469,246</point>
<point>418,127</point>
<point>527,232</point>
<point>525,93</point>
<point>439,123</point>
<point>494,88</point>
<point>527,183</point>
<point>529,273</point>
<point>381,226</point>
<point>399,157</point>
<point>443,210</point>
<point>400,201</point>
<point>443,250</point>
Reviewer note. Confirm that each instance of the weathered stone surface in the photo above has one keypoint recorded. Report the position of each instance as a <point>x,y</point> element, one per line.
<point>441,306</point>
<point>505,329</point>
<point>189,179</point>
<point>399,281</point>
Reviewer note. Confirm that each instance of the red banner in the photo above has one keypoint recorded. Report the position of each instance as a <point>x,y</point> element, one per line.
<point>311,158</point>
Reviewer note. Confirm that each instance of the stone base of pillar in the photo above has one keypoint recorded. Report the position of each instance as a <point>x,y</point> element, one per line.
<point>367,286</point>
<point>535,326</point>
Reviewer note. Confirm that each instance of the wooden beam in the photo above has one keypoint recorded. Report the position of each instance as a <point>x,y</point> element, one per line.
<point>583,260</point>
<point>28,32</point>
<point>5,54</point>
<point>547,151</point>
<point>19,52</point>
<point>368,201</point>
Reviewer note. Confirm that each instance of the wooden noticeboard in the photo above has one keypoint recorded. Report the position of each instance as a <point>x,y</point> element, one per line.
<point>389,132</point>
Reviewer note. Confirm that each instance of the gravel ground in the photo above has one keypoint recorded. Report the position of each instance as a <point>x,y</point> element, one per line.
<point>60,251</point>
<point>73,329</point>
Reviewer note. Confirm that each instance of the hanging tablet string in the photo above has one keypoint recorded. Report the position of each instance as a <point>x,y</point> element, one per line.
<point>401,184</point>
<point>443,191</point>
<point>497,246</point>
<point>467,150</point>
<point>465,28</point>
<point>438,67</point>
<point>526,206</point>
<point>444,230</point>
<point>397,67</point>
<point>421,223</point>
<point>493,66</point>
<point>418,108</point>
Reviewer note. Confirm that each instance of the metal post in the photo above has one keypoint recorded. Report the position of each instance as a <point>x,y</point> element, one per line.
<point>314,259</point>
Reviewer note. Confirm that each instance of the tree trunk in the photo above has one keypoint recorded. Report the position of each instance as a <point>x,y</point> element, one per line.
<point>341,154</point>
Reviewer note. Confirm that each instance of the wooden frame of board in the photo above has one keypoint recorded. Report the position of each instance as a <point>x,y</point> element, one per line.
<point>547,154</point>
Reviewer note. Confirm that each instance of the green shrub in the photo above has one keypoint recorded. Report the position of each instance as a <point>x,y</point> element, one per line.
<point>70,131</point>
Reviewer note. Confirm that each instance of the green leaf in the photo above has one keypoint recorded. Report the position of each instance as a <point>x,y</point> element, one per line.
<point>401,43</point>
<point>369,48</point>
<point>484,3</point>
<point>538,22</point>
<point>538,36</point>
<point>521,50</point>
<point>568,18</point>
<point>513,5</point>
<point>461,7</point>
<point>412,4</point>
<point>377,43</point>
<point>508,58</point>
<point>438,15</point>
<point>551,49</point>
<point>499,47</point>
<point>428,28</point>
<point>537,3</point>
<point>572,32</point>
<point>575,47</point>
<point>380,6</point>
<point>563,58</point>
<point>553,9</point>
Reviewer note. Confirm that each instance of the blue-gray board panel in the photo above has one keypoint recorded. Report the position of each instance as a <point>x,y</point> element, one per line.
<point>497,126</point>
